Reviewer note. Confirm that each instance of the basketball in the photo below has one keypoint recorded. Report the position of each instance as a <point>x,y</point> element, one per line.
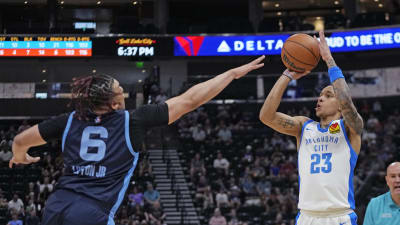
<point>300,53</point>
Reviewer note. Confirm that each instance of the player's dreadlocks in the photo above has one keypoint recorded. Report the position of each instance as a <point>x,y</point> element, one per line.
<point>90,93</point>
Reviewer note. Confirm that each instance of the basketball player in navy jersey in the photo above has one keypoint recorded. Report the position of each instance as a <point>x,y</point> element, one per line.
<point>101,142</point>
<point>327,150</point>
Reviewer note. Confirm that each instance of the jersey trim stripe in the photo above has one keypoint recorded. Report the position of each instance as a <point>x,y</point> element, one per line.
<point>323,130</point>
<point>128,176</point>
<point>353,218</point>
<point>122,191</point>
<point>298,150</point>
<point>127,137</point>
<point>302,129</point>
<point>297,217</point>
<point>71,116</point>
<point>353,161</point>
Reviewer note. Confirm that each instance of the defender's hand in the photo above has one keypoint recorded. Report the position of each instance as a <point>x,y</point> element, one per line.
<point>239,72</point>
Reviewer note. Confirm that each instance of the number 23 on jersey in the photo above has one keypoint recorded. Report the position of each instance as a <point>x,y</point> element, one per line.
<point>317,166</point>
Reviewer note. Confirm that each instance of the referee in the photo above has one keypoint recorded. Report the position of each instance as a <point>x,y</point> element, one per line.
<point>385,209</point>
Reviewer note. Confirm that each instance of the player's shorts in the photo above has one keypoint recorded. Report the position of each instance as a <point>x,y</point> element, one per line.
<point>307,218</point>
<point>68,208</point>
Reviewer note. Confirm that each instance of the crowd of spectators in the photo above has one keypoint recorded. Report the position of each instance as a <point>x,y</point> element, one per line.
<point>245,173</point>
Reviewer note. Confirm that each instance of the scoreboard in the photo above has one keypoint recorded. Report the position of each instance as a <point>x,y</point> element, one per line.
<point>47,46</point>
<point>86,46</point>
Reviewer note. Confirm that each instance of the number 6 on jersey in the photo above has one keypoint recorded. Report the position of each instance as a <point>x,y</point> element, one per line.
<point>86,142</point>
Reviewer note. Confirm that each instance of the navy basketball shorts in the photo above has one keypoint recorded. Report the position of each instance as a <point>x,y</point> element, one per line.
<point>68,208</point>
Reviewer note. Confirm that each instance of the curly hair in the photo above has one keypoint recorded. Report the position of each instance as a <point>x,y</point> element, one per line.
<point>90,93</point>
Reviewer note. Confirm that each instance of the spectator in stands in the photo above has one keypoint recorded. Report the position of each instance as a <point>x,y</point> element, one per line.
<point>30,206</point>
<point>3,200</point>
<point>136,197</point>
<point>198,133</point>
<point>221,163</point>
<point>289,144</point>
<point>123,215</point>
<point>145,171</point>
<point>224,134</point>
<point>202,185</point>
<point>32,218</point>
<point>234,194</point>
<point>264,186</point>
<point>155,214</point>
<point>16,204</point>
<point>5,153</point>
<point>162,97</point>
<point>257,171</point>
<point>369,136</point>
<point>247,184</point>
<point>377,107</point>
<point>46,186</point>
<point>150,195</point>
<point>248,156</point>
<point>32,188</point>
<point>288,167</point>
<point>217,218</point>
<point>222,199</point>
<point>208,127</point>
<point>223,113</point>
<point>197,166</point>
<point>15,220</point>
<point>208,199</point>
<point>138,215</point>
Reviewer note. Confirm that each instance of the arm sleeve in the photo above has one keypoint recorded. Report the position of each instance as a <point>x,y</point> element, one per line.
<point>368,218</point>
<point>53,128</point>
<point>151,115</point>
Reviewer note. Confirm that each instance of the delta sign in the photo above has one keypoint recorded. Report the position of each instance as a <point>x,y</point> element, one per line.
<point>343,41</point>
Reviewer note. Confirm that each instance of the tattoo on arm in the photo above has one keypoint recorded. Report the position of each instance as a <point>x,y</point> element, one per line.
<point>330,63</point>
<point>349,111</point>
<point>286,123</point>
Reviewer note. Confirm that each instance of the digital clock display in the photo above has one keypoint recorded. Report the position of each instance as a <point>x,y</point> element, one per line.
<point>136,51</point>
<point>45,46</point>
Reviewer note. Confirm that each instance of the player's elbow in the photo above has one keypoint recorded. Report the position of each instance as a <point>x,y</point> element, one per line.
<point>18,140</point>
<point>265,118</point>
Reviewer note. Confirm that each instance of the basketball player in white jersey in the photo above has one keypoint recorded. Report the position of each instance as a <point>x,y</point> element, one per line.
<point>327,150</point>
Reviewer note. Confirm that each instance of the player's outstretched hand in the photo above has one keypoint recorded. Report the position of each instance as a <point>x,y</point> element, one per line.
<point>24,160</point>
<point>295,75</point>
<point>253,65</point>
<point>324,50</point>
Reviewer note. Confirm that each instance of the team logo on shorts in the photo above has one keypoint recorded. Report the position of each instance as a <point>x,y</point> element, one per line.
<point>97,120</point>
<point>334,128</point>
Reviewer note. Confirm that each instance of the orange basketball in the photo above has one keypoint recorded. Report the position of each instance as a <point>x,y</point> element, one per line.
<point>300,53</point>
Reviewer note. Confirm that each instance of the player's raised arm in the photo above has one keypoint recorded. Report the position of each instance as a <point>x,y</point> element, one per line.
<point>352,118</point>
<point>281,122</point>
<point>205,91</point>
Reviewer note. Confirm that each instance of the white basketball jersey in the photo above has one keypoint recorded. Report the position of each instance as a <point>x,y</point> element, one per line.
<point>326,167</point>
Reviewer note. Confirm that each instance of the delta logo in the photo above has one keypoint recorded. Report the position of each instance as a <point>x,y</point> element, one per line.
<point>189,44</point>
<point>334,128</point>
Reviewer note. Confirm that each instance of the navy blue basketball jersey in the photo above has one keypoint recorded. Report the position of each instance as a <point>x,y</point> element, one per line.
<point>98,158</point>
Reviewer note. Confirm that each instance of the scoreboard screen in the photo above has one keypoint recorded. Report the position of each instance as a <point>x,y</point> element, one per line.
<point>133,46</point>
<point>36,46</point>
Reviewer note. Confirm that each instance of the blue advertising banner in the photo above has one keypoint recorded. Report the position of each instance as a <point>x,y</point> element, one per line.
<point>344,41</point>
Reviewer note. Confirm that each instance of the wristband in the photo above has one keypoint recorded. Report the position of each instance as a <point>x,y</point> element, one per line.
<point>335,73</point>
<point>288,75</point>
